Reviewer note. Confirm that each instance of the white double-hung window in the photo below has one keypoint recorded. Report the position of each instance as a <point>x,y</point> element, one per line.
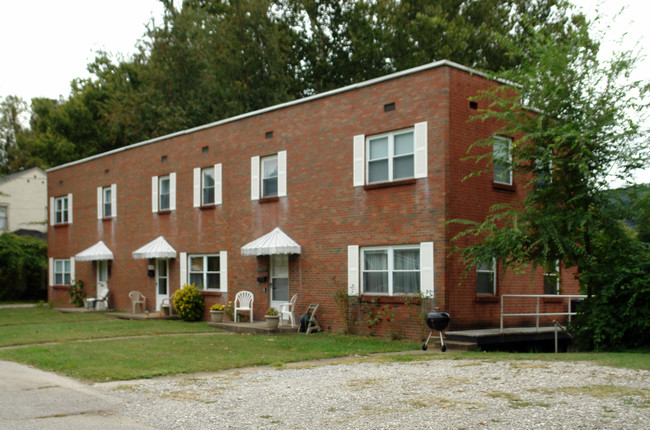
<point>205,271</point>
<point>391,270</point>
<point>61,271</point>
<point>163,193</point>
<point>486,277</point>
<point>207,186</point>
<point>61,210</point>
<point>269,176</point>
<point>391,156</point>
<point>107,201</point>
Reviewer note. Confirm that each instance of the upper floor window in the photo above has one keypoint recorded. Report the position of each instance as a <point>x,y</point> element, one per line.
<point>502,160</point>
<point>391,270</point>
<point>486,279</point>
<point>163,193</point>
<point>62,209</point>
<point>3,218</point>
<point>552,278</point>
<point>62,272</point>
<point>207,186</point>
<point>107,201</point>
<point>205,271</point>
<point>269,176</point>
<point>391,156</point>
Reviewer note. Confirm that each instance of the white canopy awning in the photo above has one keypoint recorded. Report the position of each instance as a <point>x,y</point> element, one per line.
<point>158,248</point>
<point>97,252</point>
<point>274,243</point>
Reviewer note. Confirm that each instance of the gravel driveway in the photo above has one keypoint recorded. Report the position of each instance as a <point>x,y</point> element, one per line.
<point>436,394</point>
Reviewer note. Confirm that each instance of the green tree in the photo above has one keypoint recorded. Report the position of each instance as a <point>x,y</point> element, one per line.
<point>582,131</point>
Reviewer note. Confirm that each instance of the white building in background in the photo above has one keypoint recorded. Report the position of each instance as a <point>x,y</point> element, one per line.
<point>23,202</point>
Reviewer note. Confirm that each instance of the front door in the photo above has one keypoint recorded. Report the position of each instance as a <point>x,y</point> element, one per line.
<point>279,280</point>
<point>162,281</point>
<point>102,282</point>
<point>102,276</point>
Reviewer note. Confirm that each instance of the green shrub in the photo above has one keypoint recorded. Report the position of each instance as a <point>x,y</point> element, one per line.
<point>188,302</point>
<point>77,293</point>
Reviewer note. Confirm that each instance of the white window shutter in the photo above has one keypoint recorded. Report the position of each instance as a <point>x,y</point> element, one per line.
<point>72,278</point>
<point>114,200</point>
<point>172,191</point>
<point>100,212</point>
<point>183,269</point>
<point>282,174</point>
<point>217,184</point>
<point>52,211</point>
<point>70,208</point>
<point>421,143</point>
<point>223,263</point>
<point>154,194</point>
<point>359,171</point>
<point>51,267</point>
<point>255,178</point>
<point>426,269</point>
<point>353,270</point>
<point>197,187</point>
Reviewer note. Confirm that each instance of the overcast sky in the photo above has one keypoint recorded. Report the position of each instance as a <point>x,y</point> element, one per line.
<point>45,44</point>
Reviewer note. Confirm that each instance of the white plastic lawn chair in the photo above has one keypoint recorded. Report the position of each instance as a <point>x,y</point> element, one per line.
<point>167,306</point>
<point>286,311</point>
<point>102,297</point>
<point>137,298</point>
<point>244,302</point>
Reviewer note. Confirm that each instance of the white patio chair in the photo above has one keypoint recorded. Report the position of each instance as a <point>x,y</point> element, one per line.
<point>102,297</point>
<point>167,306</point>
<point>137,298</point>
<point>286,311</point>
<point>244,302</point>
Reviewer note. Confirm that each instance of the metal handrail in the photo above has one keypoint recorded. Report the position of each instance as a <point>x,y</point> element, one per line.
<point>537,313</point>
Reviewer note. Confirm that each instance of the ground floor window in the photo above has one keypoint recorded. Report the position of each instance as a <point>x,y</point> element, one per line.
<point>552,278</point>
<point>205,271</point>
<point>486,279</point>
<point>62,272</point>
<point>391,270</point>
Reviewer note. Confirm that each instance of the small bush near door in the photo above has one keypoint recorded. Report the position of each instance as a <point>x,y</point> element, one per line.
<point>188,302</point>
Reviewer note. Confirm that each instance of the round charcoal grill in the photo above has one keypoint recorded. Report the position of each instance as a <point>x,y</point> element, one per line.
<point>438,321</point>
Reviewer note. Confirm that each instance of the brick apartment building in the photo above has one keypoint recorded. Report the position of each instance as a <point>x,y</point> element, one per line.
<point>360,182</point>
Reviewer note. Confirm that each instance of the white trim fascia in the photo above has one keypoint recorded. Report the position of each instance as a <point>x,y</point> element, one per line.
<point>434,65</point>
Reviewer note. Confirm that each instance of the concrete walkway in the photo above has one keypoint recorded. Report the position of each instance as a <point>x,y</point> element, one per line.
<point>33,399</point>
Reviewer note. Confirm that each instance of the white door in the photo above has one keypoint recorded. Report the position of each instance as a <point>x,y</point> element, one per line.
<point>279,280</point>
<point>102,282</point>
<point>162,281</point>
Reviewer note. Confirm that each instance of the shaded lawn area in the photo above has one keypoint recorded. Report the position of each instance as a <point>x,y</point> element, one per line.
<point>125,359</point>
<point>42,324</point>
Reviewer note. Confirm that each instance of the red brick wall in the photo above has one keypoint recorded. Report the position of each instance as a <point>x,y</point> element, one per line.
<point>323,211</point>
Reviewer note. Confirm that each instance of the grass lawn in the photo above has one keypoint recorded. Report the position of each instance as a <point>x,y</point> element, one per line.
<point>25,326</point>
<point>156,355</point>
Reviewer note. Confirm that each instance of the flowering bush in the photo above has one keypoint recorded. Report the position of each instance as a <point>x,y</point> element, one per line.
<point>375,314</point>
<point>271,311</point>
<point>188,302</point>
<point>218,307</point>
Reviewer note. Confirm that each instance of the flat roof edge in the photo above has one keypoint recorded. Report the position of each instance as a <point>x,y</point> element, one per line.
<point>307,99</point>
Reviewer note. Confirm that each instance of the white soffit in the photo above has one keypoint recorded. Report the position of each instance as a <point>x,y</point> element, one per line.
<point>157,248</point>
<point>97,252</point>
<point>274,243</point>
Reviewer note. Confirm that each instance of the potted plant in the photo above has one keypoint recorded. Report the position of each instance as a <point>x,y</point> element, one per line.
<point>217,312</point>
<point>272,318</point>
